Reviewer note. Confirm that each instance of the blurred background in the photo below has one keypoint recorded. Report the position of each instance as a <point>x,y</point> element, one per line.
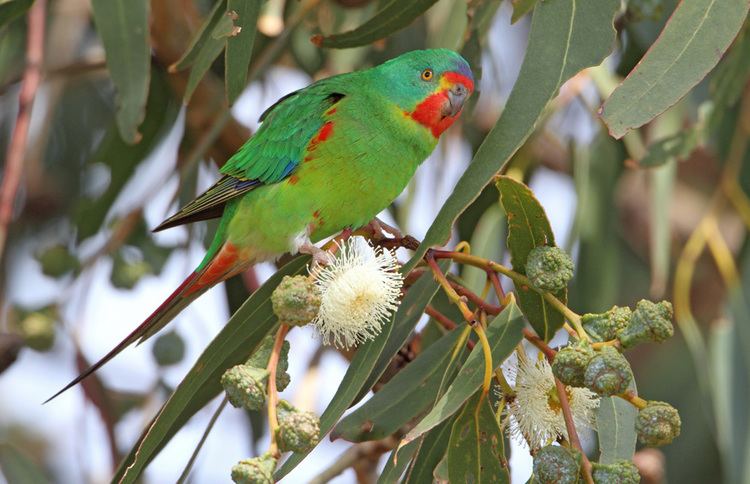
<point>661,214</point>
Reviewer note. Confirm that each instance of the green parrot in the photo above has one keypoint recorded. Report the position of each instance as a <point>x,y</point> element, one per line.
<point>326,158</point>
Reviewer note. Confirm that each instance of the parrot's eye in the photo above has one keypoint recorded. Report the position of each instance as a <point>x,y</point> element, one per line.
<point>427,74</point>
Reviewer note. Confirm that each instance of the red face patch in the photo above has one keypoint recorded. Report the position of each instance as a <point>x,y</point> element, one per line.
<point>429,113</point>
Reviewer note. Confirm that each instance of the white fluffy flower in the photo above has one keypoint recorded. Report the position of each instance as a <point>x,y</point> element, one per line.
<point>536,414</point>
<point>359,290</point>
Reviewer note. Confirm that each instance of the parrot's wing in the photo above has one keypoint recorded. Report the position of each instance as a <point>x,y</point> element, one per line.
<point>269,156</point>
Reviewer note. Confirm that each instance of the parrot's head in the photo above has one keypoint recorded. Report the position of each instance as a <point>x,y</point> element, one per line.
<point>430,86</point>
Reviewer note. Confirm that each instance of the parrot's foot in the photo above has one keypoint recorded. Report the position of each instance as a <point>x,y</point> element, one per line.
<point>378,226</point>
<point>319,255</point>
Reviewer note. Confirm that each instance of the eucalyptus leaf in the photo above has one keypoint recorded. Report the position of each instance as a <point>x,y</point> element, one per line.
<point>691,44</point>
<point>233,345</point>
<point>239,48</point>
<point>616,428</point>
<point>123,28</point>
<point>402,398</point>
<point>503,333</point>
<point>476,449</point>
<point>528,228</point>
<point>392,17</point>
<point>12,9</point>
<point>566,36</point>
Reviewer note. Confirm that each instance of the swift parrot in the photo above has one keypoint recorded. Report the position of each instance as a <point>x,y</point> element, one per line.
<point>326,158</point>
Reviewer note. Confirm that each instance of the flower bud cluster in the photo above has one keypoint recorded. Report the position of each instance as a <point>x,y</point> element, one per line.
<point>658,424</point>
<point>258,470</point>
<point>556,465</point>
<point>549,268</point>
<point>649,321</point>
<point>299,431</point>
<point>245,386</point>
<point>605,372</point>
<point>296,300</point>
<point>619,472</point>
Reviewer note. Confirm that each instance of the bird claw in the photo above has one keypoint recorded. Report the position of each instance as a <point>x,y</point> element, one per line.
<point>320,256</point>
<point>378,226</point>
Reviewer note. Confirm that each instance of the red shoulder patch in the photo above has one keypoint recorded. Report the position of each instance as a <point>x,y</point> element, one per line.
<point>324,133</point>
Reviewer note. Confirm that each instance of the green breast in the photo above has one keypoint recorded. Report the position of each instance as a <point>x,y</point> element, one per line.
<point>367,159</point>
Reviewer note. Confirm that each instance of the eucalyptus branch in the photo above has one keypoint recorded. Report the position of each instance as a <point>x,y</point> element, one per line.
<point>518,279</point>
<point>273,396</point>
<point>32,76</point>
<point>562,395</point>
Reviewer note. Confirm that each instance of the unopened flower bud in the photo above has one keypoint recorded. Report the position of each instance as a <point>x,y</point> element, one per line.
<point>56,261</point>
<point>650,322</point>
<point>259,359</point>
<point>245,386</point>
<point>608,373</point>
<point>296,300</point>
<point>570,363</point>
<point>298,431</point>
<point>38,329</point>
<point>604,326</point>
<point>126,274</point>
<point>258,470</point>
<point>619,472</point>
<point>549,268</point>
<point>556,465</point>
<point>658,424</point>
<point>168,349</point>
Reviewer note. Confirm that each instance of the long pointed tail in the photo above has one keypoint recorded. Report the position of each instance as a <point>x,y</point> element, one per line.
<point>218,266</point>
<point>171,307</point>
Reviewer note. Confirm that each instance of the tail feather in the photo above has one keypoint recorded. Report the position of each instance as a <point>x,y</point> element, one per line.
<point>172,306</point>
<point>219,265</point>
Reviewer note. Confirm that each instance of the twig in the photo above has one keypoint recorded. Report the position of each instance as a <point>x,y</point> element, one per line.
<point>273,396</point>
<point>519,280</point>
<point>488,366</point>
<point>441,318</point>
<point>354,454</point>
<point>535,340</point>
<point>572,433</point>
<point>633,399</point>
<point>467,314</point>
<point>474,298</point>
<point>31,78</point>
<point>562,395</point>
<point>189,466</point>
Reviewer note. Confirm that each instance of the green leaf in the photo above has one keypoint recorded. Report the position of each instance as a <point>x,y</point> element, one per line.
<point>123,28</point>
<point>691,44</point>
<point>201,38</point>
<point>240,46</point>
<point>366,367</point>
<point>395,466</point>
<point>233,345</point>
<point>566,36</point>
<point>528,227</point>
<point>403,397</point>
<point>521,8</point>
<point>122,158</point>
<point>504,333</point>
<point>404,322</point>
<point>394,16</point>
<point>677,146</point>
<point>475,451</point>
<point>18,468</point>
<point>616,428</point>
<point>12,9</point>
<point>431,452</point>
